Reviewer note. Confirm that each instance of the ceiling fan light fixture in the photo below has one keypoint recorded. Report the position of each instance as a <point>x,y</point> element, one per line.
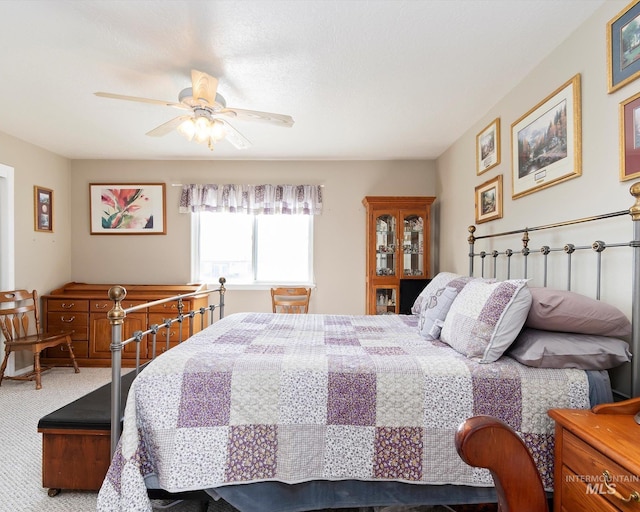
<point>187,129</point>
<point>218,130</point>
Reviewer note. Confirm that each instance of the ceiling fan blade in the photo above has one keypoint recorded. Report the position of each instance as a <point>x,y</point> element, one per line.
<point>235,137</point>
<point>203,86</point>
<point>167,127</point>
<point>141,100</point>
<point>254,115</point>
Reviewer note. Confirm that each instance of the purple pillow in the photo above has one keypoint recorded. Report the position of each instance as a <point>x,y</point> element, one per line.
<point>564,311</point>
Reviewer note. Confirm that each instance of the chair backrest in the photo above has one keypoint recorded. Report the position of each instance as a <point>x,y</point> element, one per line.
<point>487,442</point>
<point>290,299</point>
<point>17,309</point>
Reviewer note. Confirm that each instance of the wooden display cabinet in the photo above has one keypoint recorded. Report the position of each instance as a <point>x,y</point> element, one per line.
<point>84,307</point>
<point>398,247</point>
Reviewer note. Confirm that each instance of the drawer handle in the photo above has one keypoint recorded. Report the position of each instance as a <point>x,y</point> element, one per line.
<point>64,305</point>
<point>63,319</point>
<point>102,306</point>
<point>634,496</point>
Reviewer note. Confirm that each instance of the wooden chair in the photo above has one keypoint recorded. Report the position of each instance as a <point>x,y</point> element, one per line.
<point>290,300</point>
<point>487,442</point>
<point>18,309</point>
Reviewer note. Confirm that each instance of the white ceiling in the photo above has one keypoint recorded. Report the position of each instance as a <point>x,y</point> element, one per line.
<point>363,79</point>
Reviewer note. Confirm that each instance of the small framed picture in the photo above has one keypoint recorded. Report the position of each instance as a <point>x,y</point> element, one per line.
<point>489,200</point>
<point>630,138</point>
<point>43,209</point>
<point>488,147</point>
<point>127,208</point>
<point>623,47</point>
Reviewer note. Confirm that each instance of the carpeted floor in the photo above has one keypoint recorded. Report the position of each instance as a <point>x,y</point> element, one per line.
<point>21,488</point>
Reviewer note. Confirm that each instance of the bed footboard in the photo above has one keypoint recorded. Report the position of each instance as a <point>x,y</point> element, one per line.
<point>117,317</point>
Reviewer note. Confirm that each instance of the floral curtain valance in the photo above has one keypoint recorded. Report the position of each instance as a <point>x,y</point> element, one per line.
<point>253,199</point>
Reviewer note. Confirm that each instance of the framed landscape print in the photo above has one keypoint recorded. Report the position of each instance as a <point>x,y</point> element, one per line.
<point>127,208</point>
<point>43,209</point>
<point>488,147</point>
<point>489,200</point>
<point>630,138</point>
<point>623,47</point>
<point>546,141</point>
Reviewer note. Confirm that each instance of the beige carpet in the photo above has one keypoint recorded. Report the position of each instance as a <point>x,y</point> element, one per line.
<point>21,406</point>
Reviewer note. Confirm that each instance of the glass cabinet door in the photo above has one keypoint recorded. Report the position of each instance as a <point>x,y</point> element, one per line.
<point>386,300</point>
<point>386,245</point>
<point>413,245</point>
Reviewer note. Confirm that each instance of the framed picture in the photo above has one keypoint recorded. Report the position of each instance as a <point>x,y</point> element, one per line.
<point>546,142</point>
<point>488,147</point>
<point>630,138</point>
<point>43,209</point>
<point>489,200</point>
<point>623,47</point>
<point>127,208</point>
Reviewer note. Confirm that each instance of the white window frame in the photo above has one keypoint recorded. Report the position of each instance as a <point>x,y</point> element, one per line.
<point>255,285</point>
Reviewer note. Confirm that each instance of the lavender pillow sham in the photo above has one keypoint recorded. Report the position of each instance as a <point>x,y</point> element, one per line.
<point>565,311</point>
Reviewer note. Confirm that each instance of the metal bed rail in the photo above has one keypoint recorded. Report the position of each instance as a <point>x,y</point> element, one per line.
<point>117,316</point>
<point>569,249</point>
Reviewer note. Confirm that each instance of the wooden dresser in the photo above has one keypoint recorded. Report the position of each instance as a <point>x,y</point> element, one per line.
<point>597,458</point>
<point>83,307</point>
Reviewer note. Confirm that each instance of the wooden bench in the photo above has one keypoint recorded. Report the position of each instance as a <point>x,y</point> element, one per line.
<point>76,445</point>
<point>76,441</point>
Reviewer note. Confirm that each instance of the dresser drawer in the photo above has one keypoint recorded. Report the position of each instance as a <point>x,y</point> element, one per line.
<point>103,306</point>
<point>590,465</point>
<point>576,495</point>
<point>170,309</point>
<point>69,320</point>
<point>70,305</point>
<point>80,349</point>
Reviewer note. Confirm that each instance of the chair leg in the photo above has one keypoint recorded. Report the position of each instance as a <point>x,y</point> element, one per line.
<point>72,356</point>
<point>37,369</point>
<point>4,364</point>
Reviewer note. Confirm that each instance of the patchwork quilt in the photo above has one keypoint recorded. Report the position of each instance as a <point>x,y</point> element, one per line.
<point>293,398</point>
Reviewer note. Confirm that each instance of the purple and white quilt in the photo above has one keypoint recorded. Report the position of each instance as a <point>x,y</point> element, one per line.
<point>293,398</point>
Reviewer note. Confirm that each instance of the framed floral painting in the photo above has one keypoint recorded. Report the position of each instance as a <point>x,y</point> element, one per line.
<point>127,208</point>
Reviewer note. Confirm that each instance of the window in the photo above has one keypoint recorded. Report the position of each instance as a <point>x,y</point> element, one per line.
<point>252,249</point>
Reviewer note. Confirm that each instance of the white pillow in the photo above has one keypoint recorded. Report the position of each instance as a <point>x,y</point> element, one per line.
<point>485,318</point>
<point>434,310</point>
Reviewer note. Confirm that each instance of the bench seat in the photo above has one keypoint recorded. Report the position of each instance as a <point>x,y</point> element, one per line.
<point>76,440</point>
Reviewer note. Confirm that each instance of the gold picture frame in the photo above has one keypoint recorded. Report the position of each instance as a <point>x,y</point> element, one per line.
<point>546,142</point>
<point>630,138</point>
<point>489,200</point>
<point>42,209</point>
<point>623,50</point>
<point>488,147</point>
<point>127,209</point>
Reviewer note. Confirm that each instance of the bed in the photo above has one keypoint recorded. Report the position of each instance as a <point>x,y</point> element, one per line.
<point>287,413</point>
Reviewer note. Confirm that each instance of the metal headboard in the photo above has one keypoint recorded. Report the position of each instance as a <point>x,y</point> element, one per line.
<point>569,249</point>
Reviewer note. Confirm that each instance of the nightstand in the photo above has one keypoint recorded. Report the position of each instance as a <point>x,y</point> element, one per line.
<point>597,458</point>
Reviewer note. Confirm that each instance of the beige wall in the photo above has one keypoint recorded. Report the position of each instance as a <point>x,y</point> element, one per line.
<point>42,260</point>
<point>339,233</point>
<point>597,191</point>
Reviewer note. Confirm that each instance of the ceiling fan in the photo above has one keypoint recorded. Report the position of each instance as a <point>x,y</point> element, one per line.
<point>207,109</point>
